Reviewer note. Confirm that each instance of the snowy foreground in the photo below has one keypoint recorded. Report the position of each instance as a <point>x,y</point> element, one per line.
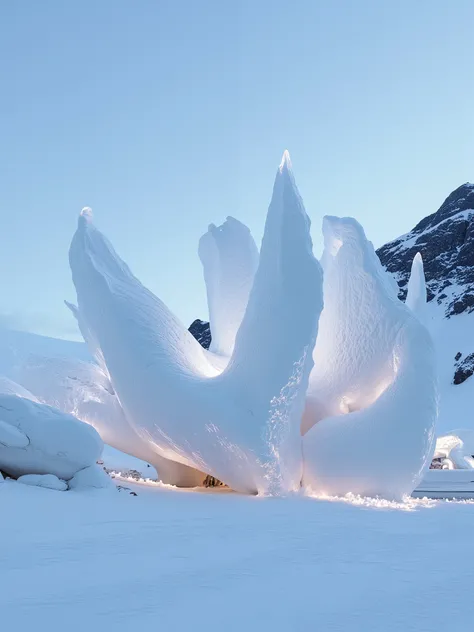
<point>181,560</point>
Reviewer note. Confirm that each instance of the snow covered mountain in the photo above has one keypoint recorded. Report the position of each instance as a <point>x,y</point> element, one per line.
<point>445,240</point>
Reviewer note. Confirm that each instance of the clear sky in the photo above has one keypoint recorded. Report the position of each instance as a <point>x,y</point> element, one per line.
<point>166,115</point>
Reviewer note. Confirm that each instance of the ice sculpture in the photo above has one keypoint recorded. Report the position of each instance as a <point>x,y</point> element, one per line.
<point>416,291</point>
<point>242,424</point>
<point>38,439</point>
<point>371,406</point>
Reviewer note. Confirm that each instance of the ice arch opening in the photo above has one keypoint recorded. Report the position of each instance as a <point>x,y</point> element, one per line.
<point>241,425</point>
<point>371,406</point>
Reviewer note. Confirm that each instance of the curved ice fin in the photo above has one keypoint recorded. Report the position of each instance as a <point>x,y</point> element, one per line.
<point>229,258</point>
<point>374,360</point>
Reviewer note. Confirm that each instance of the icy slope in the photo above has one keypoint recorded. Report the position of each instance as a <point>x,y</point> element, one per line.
<point>372,392</point>
<point>241,426</point>
<point>16,347</point>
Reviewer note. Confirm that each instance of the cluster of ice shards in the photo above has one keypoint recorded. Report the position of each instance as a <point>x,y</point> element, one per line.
<point>338,398</point>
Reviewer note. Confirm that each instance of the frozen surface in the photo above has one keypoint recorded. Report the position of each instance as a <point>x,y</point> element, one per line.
<point>38,439</point>
<point>241,425</point>
<point>373,388</point>
<point>229,258</point>
<point>199,561</point>
<point>446,484</point>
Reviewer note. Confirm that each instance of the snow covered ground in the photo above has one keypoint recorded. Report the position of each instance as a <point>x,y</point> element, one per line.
<point>178,560</point>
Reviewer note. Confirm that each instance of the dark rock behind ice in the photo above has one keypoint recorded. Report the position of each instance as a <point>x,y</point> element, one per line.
<point>445,240</point>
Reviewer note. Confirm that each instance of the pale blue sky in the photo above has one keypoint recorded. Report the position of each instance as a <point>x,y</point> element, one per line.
<point>166,115</point>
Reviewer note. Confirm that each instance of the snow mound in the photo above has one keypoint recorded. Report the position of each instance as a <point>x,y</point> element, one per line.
<point>240,425</point>
<point>372,399</point>
<point>38,439</point>
<point>92,477</point>
<point>49,481</point>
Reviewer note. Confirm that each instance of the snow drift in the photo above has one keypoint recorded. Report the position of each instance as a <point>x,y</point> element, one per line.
<point>372,404</point>
<point>38,439</point>
<point>240,425</point>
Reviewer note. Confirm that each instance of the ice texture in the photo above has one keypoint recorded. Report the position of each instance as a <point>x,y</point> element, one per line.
<point>240,425</point>
<point>372,399</point>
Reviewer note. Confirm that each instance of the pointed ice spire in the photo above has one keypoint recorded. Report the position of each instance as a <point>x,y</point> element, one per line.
<point>285,161</point>
<point>416,291</point>
<point>86,213</point>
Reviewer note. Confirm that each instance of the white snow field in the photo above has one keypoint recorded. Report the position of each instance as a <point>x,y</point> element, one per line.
<point>177,560</point>
<point>240,425</point>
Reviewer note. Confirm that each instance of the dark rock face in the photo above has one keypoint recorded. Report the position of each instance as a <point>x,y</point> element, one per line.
<point>463,368</point>
<point>446,242</point>
<point>202,332</point>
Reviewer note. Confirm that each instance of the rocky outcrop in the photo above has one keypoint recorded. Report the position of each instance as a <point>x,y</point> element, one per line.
<point>463,368</point>
<point>445,240</point>
<point>201,330</point>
